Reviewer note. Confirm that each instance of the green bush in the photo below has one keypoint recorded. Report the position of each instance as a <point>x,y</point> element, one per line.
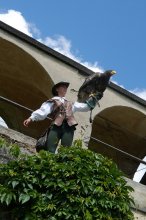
<point>74,184</point>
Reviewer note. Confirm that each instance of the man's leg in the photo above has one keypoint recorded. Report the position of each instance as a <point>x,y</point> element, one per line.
<point>67,135</point>
<point>53,138</point>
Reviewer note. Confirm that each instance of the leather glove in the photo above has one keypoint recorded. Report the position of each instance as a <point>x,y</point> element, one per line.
<point>93,99</point>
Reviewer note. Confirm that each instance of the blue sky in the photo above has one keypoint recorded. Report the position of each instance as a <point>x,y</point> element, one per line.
<point>101,34</point>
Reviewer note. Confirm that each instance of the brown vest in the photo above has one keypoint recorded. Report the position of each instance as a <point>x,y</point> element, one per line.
<point>63,112</point>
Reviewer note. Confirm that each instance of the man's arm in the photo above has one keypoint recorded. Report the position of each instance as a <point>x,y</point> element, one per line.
<point>89,104</point>
<point>39,114</point>
<point>93,99</point>
<point>80,107</point>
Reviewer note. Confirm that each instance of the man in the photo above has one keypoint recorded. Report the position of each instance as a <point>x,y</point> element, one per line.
<point>64,124</point>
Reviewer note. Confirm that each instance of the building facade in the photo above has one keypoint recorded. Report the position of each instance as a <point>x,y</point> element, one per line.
<point>29,69</point>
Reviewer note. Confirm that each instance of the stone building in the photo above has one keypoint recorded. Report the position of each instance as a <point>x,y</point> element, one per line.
<point>28,70</point>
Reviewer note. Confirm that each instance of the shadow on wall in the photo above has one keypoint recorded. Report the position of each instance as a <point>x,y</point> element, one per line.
<point>25,81</point>
<point>124,128</point>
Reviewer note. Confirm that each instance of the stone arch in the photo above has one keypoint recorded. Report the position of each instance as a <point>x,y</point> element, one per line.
<point>122,127</point>
<point>25,81</point>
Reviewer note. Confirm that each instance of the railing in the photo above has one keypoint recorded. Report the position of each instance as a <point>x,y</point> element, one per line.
<point>95,139</point>
<point>15,103</point>
<point>117,149</point>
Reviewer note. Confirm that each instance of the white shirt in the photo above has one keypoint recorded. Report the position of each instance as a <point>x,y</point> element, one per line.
<point>46,108</point>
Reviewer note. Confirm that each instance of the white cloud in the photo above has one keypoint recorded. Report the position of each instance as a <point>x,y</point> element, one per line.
<point>16,20</point>
<point>93,66</point>
<point>140,92</point>
<point>115,82</point>
<point>58,43</point>
<point>63,46</point>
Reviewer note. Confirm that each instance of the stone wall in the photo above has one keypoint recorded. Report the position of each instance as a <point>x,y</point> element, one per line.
<point>27,144</point>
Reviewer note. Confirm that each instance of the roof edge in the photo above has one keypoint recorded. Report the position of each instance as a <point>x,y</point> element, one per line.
<point>82,69</point>
<point>127,93</point>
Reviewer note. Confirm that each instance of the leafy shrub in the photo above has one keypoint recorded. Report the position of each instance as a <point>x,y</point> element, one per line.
<point>75,184</point>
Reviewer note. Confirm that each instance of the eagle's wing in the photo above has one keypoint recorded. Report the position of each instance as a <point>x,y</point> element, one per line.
<point>95,83</point>
<point>90,79</point>
<point>88,87</point>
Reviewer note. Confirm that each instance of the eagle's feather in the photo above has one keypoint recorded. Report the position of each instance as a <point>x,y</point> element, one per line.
<point>97,82</point>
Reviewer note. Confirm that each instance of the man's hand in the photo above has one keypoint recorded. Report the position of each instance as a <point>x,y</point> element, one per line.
<point>93,99</point>
<point>97,95</point>
<point>27,122</point>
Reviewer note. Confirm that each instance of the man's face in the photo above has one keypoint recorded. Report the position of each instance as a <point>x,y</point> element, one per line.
<point>62,89</point>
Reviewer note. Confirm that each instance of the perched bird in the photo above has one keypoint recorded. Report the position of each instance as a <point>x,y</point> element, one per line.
<point>93,84</point>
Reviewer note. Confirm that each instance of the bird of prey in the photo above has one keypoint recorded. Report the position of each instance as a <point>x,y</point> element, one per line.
<point>95,83</point>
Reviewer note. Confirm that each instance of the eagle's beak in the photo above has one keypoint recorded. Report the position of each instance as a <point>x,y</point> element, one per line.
<point>113,72</point>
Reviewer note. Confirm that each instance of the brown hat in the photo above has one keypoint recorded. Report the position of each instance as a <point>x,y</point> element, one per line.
<point>54,92</point>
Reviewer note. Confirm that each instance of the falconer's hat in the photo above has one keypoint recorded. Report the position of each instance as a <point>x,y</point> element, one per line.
<point>54,92</point>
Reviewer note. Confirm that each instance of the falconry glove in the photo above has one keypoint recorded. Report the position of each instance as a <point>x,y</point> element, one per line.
<point>93,99</point>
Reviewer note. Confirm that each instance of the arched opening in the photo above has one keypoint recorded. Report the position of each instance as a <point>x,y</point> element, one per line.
<point>124,128</point>
<point>25,81</point>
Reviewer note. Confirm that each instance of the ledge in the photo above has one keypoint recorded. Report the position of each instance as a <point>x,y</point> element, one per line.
<point>26,143</point>
<point>139,195</point>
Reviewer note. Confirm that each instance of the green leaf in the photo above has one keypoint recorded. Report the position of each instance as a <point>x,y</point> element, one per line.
<point>8,199</point>
<point>14,183</point>
<point>73,184</point>
<point>88,215</point>
<point>15,150</point>
<point>30,186</point>
<point>23,198</point>
<point>3,197</point>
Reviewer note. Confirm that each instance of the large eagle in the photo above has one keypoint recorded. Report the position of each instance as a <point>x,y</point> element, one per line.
<point>97,82</point>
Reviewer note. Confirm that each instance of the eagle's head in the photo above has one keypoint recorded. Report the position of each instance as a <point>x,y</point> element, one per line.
<point>103,80</point>
<point>110,72</point>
